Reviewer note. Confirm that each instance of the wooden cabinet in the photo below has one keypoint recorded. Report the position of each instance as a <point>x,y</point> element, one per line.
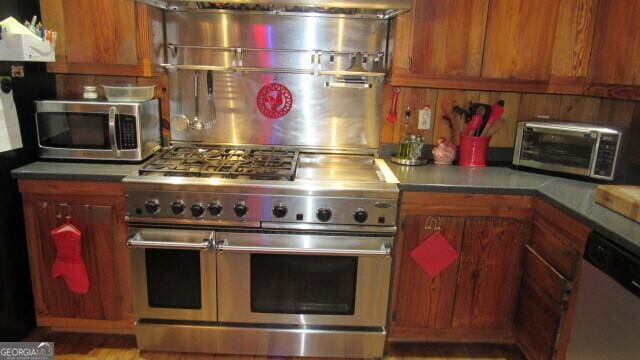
<point>549,284</point>
<point>105,37</point>
<point>616,49</point>
<point>97,210</point>
<point>443,40</point>
<point>519,39</point>
<point>474,298</point>
<point>581,47</point>
<point>424,302</point>
<point>489,272</point>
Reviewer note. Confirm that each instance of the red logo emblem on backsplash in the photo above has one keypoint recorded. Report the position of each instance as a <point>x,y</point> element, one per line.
<point>274,100</point>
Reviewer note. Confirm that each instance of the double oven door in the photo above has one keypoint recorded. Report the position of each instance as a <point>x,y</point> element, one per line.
<point>262,277</point>
<point>303,279</point>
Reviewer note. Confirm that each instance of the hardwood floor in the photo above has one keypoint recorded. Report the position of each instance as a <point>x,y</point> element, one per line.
<point>72,346</point>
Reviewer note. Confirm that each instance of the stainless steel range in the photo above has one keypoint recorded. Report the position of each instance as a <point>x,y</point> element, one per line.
<point>266,228</point>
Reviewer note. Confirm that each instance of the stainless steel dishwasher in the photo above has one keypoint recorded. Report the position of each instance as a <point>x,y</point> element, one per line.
<point>607,317</point>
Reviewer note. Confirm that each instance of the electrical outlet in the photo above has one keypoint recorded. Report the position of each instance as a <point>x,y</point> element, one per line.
<point>17,71</point>
<point>424,118</point>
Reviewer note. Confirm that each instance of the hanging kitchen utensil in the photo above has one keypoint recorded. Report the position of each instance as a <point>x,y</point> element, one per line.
<point>212,105</point>
<point>196,123</point>
<point>392,117</point>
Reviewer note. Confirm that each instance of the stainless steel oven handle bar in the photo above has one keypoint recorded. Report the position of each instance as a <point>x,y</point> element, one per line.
<point>138,242</point>
<point>223,246</point>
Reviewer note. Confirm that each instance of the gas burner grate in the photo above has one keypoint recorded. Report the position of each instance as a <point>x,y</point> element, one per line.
<point>232,163</point>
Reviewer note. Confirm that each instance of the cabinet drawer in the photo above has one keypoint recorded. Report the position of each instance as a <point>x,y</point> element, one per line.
<point>559,251</point>
<point>549,281</point>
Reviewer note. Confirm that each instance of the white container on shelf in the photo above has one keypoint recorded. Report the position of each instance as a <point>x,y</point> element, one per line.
<point>25,47</point>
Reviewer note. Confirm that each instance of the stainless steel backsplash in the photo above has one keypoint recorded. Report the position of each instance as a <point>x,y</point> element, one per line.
<point>320,116</point>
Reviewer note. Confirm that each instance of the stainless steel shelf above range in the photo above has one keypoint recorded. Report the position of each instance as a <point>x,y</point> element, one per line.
<point>241,69</point>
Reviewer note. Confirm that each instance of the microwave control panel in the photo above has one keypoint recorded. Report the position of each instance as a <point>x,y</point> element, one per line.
<point>127,131</point>
<point>606,156</point>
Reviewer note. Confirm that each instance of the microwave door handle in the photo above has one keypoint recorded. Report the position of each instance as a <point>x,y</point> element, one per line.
<point>112,131</point>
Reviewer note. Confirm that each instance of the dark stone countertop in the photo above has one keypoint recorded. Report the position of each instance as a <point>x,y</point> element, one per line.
<point>574,197</point>
<point>56,170</point>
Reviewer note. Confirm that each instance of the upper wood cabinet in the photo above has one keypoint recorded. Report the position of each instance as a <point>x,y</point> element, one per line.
<point>574,27</point>
<point>615,58</point>
<point>445,40</point>
<point>581,47</point>
<point>519,39</point>
<point>105,37</point>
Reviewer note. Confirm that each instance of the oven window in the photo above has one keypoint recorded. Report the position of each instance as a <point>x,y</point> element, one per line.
<point>173,278</point>
<point>74,130</point>
<point>291,284</point>
<point>567,150</point>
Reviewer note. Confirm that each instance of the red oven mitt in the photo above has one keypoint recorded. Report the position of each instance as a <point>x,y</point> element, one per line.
<point>69,262</point>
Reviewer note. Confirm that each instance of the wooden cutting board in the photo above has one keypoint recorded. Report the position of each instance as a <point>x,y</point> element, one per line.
<point>622,199</point>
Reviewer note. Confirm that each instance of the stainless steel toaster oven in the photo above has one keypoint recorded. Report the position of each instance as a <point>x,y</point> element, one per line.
<point>568,147</point>
<point>98,130</point>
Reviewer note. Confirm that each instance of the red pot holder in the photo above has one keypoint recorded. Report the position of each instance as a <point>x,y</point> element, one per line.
<point>69,263</point>
<point>434,254</point>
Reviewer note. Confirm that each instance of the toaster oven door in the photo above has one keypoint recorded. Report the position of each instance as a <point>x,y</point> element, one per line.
<point>567,151</point>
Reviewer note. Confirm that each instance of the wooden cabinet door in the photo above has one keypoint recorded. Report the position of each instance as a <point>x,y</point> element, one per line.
<point>489,274</point>
<point>541,309</point>
<point>103,37</point>
<point>100,219</point>
<point>420,301</point>
<point>519,39</point>
<point>616,48</point>
<point>447,37</point>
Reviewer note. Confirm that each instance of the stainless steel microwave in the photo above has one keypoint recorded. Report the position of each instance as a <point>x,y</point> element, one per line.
<point>98,130</point>
<point>568,147</point>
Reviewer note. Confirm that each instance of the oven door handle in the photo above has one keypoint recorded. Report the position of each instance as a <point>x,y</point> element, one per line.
<point>138,242</point>
<point>112,130</point>
<point>385,251</point>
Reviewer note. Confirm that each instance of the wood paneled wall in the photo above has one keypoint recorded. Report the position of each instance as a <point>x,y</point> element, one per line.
<point>518,107</point>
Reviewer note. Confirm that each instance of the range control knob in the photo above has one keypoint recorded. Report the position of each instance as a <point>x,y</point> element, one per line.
<point>279,211</point>
<point>177,207</point>
<point>324,214</point>
<point>360,215</point>
<point>215,209</point>
<point>240,209</point>
<point>152,206</point>
<point>197,210</point>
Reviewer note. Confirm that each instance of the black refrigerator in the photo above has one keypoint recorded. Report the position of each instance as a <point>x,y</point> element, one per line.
<point>17,316</point>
